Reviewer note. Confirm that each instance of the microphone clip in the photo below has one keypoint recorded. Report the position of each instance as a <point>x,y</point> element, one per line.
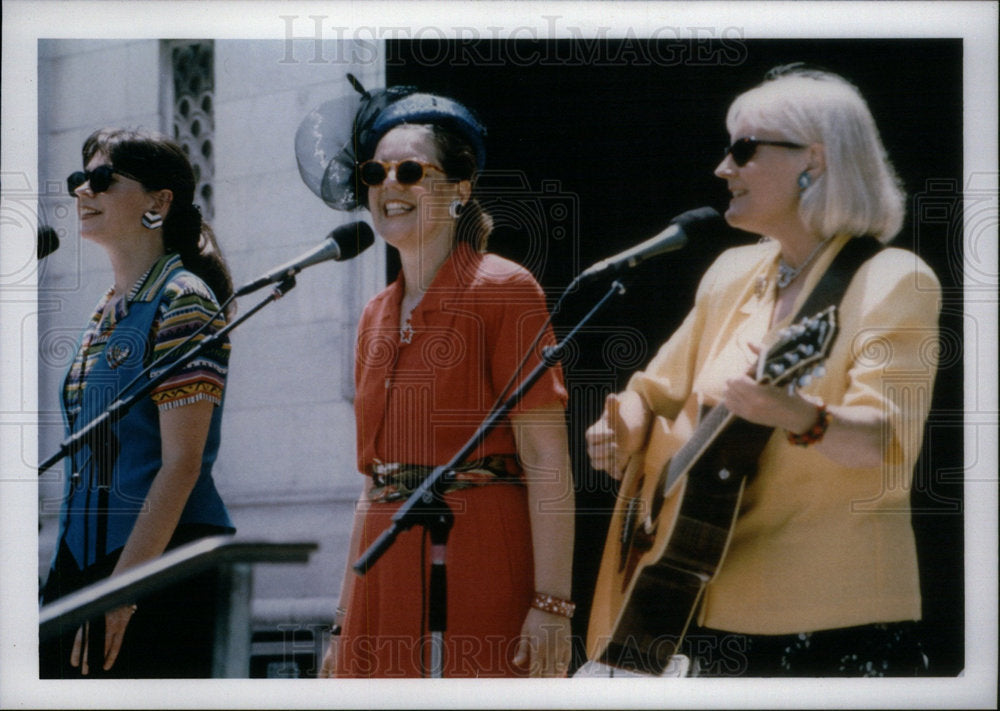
<point>283,287</point>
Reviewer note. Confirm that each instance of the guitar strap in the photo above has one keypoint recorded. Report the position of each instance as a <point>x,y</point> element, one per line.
<point>832,285</point>
<point>747,440</point>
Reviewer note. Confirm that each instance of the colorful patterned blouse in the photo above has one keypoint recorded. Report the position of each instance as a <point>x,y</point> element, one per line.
<point>187,306</point>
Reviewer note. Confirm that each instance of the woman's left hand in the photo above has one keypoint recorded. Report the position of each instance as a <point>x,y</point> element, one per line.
<point>115,623</point>
<point>768,405</point>
<point>544,647</point>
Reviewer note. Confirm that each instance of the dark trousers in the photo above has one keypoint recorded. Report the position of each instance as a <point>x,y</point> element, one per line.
<point>892,649</point>
<point>170,635</point>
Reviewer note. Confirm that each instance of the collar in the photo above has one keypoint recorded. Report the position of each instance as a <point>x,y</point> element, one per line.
<point>151,282</point>
<point>823,261</point>
<point>762,280</point>
<point>454,276</point>
<point>148,286</point>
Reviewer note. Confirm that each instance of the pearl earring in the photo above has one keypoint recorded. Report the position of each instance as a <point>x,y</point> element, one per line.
<point>805,180</point>
<point>455,208</point>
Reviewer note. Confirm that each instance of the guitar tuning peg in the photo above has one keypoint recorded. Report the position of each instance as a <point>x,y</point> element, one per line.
<point>819,371</point>
<point>805,380</point>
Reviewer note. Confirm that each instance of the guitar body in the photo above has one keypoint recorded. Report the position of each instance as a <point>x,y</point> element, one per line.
<point>661,552</point>
<point>672,525</point>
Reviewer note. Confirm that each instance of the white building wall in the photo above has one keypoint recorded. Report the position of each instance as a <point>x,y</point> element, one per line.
<point>286,467</point>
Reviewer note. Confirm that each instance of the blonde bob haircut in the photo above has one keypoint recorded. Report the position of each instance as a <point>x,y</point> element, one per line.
<point>858,193</point>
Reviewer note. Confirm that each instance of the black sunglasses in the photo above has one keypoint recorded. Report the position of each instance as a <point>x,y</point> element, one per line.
<point>99,179</point>
<point>408,172</point>
<point>743,149</point>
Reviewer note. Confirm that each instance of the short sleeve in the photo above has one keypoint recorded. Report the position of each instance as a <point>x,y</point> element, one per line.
<point>188,310</point>
<point>520,309</point>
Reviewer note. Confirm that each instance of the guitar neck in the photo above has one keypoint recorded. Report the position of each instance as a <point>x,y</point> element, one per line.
<point>711,426</point>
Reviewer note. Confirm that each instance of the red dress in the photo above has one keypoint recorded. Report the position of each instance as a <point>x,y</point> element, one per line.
<point>420,396</point>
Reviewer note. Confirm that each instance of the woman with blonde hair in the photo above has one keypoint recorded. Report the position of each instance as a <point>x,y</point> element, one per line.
<point>820,575</point>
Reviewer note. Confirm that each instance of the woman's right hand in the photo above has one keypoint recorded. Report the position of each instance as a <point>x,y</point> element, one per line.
<point>619,434</point>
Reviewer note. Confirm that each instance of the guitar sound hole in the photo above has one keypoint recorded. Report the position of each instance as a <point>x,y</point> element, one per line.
<point>642,538</point>
<point>628,523</point>
<point>628,530</point>
<point>636,538</point>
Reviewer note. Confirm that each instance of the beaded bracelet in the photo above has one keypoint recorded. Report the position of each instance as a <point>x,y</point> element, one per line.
<point>554,605</point>
<point>815,433</point>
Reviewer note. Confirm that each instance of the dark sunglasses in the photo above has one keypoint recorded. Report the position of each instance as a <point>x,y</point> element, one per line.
<point>408,172</point>
<point>99,179</point>
<point>743,149</point>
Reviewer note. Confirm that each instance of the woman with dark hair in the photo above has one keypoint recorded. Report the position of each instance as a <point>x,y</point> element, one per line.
<point>820,572</point>
<point>435,351</point>
<point>146,485</point>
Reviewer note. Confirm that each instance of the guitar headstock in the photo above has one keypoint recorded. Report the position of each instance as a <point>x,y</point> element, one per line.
<point>800,350</point>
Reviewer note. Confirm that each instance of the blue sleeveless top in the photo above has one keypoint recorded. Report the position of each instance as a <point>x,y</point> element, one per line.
<point>102,502</point>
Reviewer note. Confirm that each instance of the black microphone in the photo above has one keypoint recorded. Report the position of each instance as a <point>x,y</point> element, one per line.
<point>345,242</point>
<point>674,237</point>
<point>48,241</point>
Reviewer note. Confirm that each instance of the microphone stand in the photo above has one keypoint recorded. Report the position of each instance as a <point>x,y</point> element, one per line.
<point>95,432</point>
<point>426,505</point>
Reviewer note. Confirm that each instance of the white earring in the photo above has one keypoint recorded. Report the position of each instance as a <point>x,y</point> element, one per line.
<point>805,180</point>
<point>455,208</point>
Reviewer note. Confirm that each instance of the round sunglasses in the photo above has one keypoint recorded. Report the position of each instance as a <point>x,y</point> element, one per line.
<point>408,172</point>
<point>99,179</point>
<point>743,149</point>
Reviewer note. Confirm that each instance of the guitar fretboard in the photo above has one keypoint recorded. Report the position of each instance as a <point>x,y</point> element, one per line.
<point>710,427</point>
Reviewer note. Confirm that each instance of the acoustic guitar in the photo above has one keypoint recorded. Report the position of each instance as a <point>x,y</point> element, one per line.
<point>670,528</point>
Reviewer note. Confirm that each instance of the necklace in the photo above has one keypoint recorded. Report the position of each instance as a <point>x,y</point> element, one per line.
<point>787,274</point>
<point>406,331</point>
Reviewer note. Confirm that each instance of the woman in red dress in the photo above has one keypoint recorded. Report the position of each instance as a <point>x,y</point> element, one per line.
<point>435,350</point>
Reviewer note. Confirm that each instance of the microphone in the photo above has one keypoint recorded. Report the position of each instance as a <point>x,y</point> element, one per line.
<point>673,238</point>
<point>48,241</point>
<point>345,242</point>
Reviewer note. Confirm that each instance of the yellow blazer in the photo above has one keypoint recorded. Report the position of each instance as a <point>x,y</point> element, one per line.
<point>816,545</point>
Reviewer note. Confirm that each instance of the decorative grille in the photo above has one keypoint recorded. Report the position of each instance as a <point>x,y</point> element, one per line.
<point>194,120</point>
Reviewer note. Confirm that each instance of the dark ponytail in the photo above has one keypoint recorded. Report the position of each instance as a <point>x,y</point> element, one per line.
<point>187,234</point>
<point>159,163</point>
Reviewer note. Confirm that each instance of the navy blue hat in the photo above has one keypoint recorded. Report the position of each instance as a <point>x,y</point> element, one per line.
<point>339,135</point>
<point>426,109</point>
